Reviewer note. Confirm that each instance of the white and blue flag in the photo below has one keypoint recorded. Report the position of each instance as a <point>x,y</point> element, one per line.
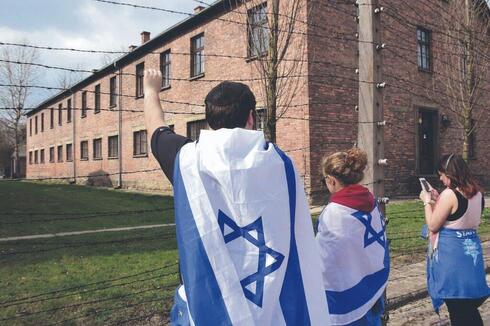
<point>244,233</point>
<point>355,260</point>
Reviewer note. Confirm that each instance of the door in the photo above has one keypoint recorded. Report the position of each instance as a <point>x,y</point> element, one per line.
<point>427,138</point>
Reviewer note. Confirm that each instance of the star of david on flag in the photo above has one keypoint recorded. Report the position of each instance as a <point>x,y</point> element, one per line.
<point>254,234</point>
<point>371,235</point>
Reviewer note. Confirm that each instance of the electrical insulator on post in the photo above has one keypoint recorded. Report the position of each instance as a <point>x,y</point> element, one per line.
<point>357,71</point>
<point>380,46</point>
<point>383,162</point>
<point>383,200</point>
<point>381,85</point>
<point>378,10</point>
<point>381,123</point>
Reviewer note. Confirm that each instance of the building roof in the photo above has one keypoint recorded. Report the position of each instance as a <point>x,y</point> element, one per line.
<point>169,34</point>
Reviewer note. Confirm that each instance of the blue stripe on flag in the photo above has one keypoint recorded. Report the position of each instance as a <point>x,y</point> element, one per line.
<point>203,293</point>
<point>343,302</point>
<point>292,298</point>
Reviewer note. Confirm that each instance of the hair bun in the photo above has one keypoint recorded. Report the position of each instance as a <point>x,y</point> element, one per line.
<point>356,159</point>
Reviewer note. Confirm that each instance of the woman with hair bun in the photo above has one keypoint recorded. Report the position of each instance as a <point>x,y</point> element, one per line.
<point>455,264</point>
<point>352,240</point>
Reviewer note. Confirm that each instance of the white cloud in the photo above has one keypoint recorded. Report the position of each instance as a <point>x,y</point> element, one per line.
<point>97,26</point>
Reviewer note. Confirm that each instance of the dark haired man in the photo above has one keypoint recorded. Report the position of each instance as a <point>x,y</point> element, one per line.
<point>244,233</point>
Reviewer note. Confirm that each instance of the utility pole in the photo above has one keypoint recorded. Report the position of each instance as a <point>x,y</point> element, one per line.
<point>371,119</point>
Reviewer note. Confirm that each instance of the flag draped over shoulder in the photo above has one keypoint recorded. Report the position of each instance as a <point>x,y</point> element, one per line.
<point>456,268</point>
<point>355,260</point>
<point>244,233</point>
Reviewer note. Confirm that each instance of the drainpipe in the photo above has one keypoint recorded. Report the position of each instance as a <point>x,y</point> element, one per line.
<point>73,142</point>
<point>119,143</point>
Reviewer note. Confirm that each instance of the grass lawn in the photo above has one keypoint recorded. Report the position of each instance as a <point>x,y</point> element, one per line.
<point>50,281</point>
<point>114,277</point>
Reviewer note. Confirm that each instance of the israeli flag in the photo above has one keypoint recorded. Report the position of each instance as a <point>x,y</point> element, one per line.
<point>355,260</point>
<point>245,237</point>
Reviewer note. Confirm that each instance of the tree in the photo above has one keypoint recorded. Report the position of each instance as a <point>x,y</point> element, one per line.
<point>466,65</point>
<point>15,95</point>
<point>277,45</point>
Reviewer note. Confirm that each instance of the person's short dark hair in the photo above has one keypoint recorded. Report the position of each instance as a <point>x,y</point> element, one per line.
<point>228,105</point>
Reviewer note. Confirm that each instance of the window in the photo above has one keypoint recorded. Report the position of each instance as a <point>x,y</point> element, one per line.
<point>165,68</point>
<point>258,31</point>
<point>194,128</point>
<point>41,158</point>
<point>60,114</point>
<point>68,110</point>
<point>69,152</point>
<point>260,119</point>
<point>84,150</point>
<point>35,124</point>
<point>51,154</point>
<point>112,92</point>
<point>197,55</point>
<point>97,99</point>
<point>60,153</point>
<point>42,122</point>
<point>51,118</point>
<point>97,148</point>
<point>30,127</point>
<point>423,49</point>
<point>113,146</point>
<point>84,104</point>
<point>36,157</point>
<point>30,157</point>
<point>140,73</point>
<point>140,143</point>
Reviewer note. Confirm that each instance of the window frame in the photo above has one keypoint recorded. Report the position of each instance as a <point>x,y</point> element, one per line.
<point>84,155</point>
<point>194,134</point>
<point>112,92</point>
<point>42,122</point>
<point>140,143</point>
<point>165,68</point>
<point>84,105</point>
<point>140,86</point>
<point>51,155</point>
<point>95,150</point>
<point>68,111</point>
<point>59,150</point>
<point>197,52</point>
<point>41,156</point>
<point>35,124</point>
<point>60,114</point>
<point>427,45</point>
<point>110,147</point>
<point>253,26</point>
<point>51,118</point>
<point>97,99</point>
<point>69,152</point>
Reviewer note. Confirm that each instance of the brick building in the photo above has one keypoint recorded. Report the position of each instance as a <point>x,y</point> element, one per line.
<point>94,133</point>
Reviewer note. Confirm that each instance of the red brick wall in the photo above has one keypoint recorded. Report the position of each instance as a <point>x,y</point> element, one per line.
<point>321,118</point>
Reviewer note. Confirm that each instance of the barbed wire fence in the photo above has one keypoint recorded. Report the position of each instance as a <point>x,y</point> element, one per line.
<point>155,287</point>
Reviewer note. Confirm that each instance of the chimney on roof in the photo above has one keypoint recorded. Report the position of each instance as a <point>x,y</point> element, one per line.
<point>145,37</point>
<point>198,9</point>
<point>132,47</point>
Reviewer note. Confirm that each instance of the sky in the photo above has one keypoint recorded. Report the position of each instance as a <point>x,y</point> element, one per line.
<point>85,24</point>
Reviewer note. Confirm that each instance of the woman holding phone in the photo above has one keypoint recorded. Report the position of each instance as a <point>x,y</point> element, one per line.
<point>455,265</point>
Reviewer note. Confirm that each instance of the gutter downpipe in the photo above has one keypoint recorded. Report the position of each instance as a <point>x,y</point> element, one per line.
<point>120,181</point>
<point>73,142</point>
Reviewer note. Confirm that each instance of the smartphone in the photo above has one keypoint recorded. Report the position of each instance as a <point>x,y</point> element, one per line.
<point>425,185</point>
